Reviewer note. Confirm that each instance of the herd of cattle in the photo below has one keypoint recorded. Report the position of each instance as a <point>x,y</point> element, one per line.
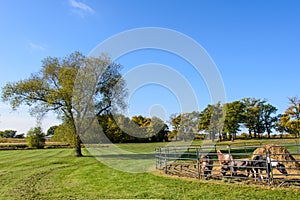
<point>256,165</point>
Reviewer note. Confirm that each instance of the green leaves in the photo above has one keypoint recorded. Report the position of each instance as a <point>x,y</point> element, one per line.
<point>185,125</point>
<point>52,88</point>
<point>290,120</point>
<point>36,138</point>
<point>233,118</point>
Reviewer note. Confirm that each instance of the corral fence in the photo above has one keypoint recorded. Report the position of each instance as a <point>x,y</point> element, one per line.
<point>270,164</point>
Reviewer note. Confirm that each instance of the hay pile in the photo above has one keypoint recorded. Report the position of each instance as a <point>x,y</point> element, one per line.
<point>278,153</point>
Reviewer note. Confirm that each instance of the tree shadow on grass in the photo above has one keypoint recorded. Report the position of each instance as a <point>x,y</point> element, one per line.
<point>133,156</point>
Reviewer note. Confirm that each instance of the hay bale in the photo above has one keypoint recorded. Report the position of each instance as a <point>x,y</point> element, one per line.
<point>278,153</point>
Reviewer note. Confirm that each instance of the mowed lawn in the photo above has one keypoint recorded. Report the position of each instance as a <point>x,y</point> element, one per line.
<point>57,174</point>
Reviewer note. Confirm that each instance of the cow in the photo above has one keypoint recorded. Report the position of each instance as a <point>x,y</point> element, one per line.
<point>243,165</point>
<point>226,162</point>
<point>266,164</point>
<point>206,165</point>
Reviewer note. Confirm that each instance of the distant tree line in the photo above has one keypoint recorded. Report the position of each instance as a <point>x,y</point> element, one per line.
<point>224,121</point>
<point>10,134</point>
<point>219,121</point>
<point>121,129</point>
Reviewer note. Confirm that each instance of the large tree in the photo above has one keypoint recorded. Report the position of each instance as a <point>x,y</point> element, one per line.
<point>149,129</point>
<point>291,118</point>
<point>175,123</point>
<point>268,117</point>
<point>252,116</point>
<point>233,119</point>
<point>138,128</point>
<point>212,120</point>
<point>158,130</point>
<point>185,125</point>
<point>51,89</point>
<point>259,116</point>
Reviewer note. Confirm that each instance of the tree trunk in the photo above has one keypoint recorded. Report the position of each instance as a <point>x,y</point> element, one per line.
<point>213,137</point>
<point>250,134</point>
<point>78,142</point>
<point>78,152</point>
<point>77,139</point>
<point>255,135</point>
<point>224,136</point>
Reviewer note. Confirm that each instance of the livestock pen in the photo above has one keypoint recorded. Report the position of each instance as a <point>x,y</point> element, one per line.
<point>275,164</point>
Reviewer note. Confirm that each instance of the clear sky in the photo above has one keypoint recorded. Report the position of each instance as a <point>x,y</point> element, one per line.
<point>255,45</point>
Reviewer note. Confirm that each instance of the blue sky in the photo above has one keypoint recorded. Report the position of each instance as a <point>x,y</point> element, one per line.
<point>255,45</point>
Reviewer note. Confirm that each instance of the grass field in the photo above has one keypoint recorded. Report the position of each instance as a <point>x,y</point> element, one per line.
<point>57,174</point>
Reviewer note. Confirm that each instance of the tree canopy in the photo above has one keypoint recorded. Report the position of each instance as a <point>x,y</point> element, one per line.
<point>8,134</point>
<point>35,138</point>
<point>290,120</point>
<point>51,89</point>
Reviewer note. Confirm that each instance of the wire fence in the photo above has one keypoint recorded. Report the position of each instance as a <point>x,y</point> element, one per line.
<point>270,164</point>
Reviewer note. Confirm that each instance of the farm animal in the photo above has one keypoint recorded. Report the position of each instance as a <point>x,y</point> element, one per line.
<point>243,165</point>
<point>226,162</point>
<point>206,165</point>
<point>262,164</point>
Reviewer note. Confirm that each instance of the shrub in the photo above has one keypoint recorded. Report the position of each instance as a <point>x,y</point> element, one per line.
<point>36,138</point>
<point>64,133</point>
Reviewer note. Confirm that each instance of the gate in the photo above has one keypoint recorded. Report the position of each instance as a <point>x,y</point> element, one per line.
<point>273,164</point>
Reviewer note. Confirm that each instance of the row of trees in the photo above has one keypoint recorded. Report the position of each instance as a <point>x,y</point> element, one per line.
<point>35,137</point>
<point>8,134</point>
<point>11,134</point>
<point>97,81</point>
<point>225,121</point>
<point>119,129</point>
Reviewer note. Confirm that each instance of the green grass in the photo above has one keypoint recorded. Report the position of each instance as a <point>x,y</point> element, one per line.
<point>57,174</point>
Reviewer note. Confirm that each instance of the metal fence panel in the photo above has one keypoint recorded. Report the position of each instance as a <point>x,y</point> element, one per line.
<point>274,164</point>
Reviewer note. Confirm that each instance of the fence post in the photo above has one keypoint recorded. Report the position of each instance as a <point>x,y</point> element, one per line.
<point>230,165</point>
<point>166,161</point>
<point>160,158</point>
<point>156,158</point>
<point>269,169</point>
<point>229,148</point>
<point>297,143</point>
<point>198,163</point>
